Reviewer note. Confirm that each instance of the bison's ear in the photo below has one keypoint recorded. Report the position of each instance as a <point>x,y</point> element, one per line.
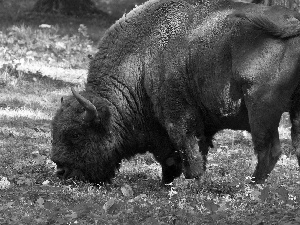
<point>104,117</point>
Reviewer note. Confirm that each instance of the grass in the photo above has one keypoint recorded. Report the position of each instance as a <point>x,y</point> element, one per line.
<point>30,193</point>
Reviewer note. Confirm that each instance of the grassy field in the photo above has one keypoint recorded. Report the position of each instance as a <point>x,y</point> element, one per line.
<point>37,69</point>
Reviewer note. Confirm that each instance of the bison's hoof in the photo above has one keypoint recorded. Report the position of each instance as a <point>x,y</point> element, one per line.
<point>194,170</point>
<point>257,181</point>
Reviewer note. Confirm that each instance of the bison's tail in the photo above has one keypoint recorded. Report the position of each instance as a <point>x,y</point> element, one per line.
<point>290,29</point>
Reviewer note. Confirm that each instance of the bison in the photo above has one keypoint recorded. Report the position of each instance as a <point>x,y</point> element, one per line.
<point>172,73</point>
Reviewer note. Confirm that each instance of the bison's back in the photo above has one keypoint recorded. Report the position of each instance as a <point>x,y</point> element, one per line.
<point>149,26</point>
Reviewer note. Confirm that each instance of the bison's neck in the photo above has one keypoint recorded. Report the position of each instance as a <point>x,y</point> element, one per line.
<point>123,91</point>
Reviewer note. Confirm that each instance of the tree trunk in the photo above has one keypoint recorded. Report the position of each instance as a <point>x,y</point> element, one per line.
<point>67,7</point>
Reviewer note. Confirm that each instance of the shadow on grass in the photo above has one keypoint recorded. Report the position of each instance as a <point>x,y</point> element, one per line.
<point>12,73</point>
<point>15,103</point>
<point>141,181</point>
<point>45,80</point>
<point>221,188</point>
<point>37,125</point>
<point>68,25</point>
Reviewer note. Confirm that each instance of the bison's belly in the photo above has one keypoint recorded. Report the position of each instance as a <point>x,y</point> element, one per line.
<point>227,115</point>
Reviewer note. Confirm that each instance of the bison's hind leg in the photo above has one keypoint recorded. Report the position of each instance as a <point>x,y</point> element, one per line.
<point>264,120</point>
<point>204,144</point>
<point>268,152</point>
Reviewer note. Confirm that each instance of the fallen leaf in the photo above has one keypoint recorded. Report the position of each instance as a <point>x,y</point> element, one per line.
<point>23,180</point>
<point>40,201</point>
<point>73,215</point>
<point>137,198</point>
<point>211,206</point>
<point>108,204</point>
<point>46,182</point>
<point>283,193</point>
<point>49,205</point>
<point>127,190</point>
<point>248,180</point>
<point>130,210</point>
<point>223,206</point>
<point>39,159</point>
<point>297,219</point>
<point>255,195</point>
<point>35,153</point>
<point>4,183</point>
<point>111,206</point>
<point>9,204</point>
<point>39,220</point>
<point>264,194</point>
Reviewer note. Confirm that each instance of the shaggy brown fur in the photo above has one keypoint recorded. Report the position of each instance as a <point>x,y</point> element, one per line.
<point>172,73</point>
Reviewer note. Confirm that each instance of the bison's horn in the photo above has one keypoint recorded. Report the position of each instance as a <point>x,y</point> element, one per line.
<point>90,110</point>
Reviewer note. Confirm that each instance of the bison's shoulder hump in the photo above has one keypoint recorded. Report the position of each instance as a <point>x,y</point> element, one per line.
<point>140,21</point>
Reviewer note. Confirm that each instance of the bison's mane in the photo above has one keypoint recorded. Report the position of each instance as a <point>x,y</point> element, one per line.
<point>127,38</point>
<point>290,29</point>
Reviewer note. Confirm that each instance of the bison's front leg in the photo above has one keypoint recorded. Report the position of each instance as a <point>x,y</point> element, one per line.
<point>177,111</point>
<point>193,161</point>
<point>171,168</point>
<point>183,133</point>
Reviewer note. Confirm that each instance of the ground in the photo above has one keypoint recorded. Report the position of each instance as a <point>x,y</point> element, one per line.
<point>38,67</point>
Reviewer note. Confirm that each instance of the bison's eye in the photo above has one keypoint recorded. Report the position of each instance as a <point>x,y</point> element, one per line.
<point>72,136</point>
<point>74,139</point>
<point>75,135</point>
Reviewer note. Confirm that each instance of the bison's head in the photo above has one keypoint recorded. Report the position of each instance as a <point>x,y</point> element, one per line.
<point>83,145</point>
